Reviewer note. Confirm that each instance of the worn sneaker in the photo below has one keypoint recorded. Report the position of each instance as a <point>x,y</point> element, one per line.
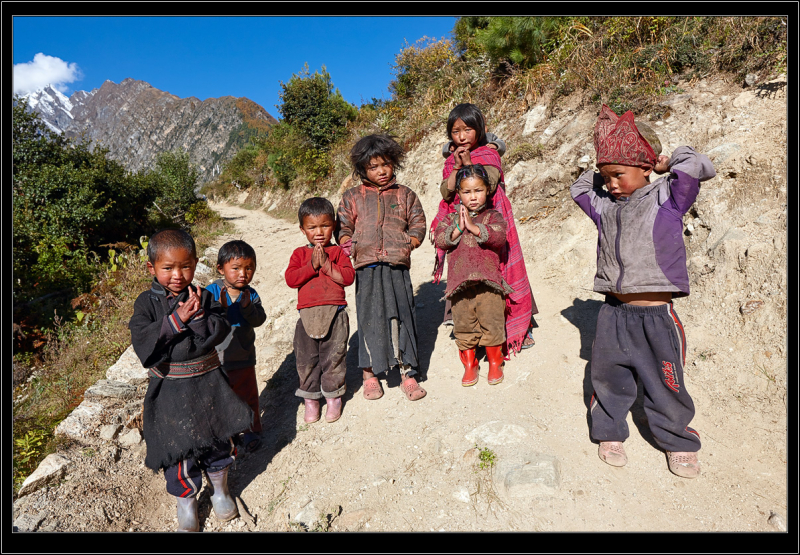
<point>612,452</point>
<point>683,464</point>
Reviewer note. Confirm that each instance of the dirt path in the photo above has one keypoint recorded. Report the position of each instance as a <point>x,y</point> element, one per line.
<point>395,465</point>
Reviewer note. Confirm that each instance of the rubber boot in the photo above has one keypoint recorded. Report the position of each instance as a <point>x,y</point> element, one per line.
<point>224,505</point>
<point>495,356</point>
<point>470,367</point>
<point>333,409</point>
<point>187,514</point>
<point>312,410</point>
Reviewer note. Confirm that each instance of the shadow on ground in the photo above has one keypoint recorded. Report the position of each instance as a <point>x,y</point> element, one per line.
<point>279,406</point>
<point>583,315</point>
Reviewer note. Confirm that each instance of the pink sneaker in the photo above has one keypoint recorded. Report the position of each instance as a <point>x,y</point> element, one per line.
<point>312,410</point>
<point>334,409</point>
<point>683,464</point>
<point>612,452</point>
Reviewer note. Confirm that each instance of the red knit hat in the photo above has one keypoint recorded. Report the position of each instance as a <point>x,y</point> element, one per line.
<point>618,141</point>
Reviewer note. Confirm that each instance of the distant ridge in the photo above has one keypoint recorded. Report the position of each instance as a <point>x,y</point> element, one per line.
<point>136,121</point>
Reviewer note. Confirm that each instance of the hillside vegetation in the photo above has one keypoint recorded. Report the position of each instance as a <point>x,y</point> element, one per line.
<point>504,65</point>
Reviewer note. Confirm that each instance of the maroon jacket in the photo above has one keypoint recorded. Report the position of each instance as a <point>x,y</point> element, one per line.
<point>381,222</point>
<point>474,259</point>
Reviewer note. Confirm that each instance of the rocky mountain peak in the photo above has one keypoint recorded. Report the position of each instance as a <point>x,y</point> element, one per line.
<point>137,121</point>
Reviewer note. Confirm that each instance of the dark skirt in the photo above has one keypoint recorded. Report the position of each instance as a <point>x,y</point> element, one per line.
<point>384,293</point>
<point>187,416</point>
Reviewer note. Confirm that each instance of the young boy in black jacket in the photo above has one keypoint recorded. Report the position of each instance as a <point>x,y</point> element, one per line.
<point>190,410</point>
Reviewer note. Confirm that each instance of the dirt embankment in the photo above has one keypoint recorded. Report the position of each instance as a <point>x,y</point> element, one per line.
<point>395,465</point>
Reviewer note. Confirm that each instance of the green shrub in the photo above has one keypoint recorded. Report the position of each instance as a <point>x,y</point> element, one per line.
<point>312,106</point>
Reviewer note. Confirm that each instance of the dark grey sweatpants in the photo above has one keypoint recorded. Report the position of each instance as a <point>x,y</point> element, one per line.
<point>321,364</point>
<point>648,341</point>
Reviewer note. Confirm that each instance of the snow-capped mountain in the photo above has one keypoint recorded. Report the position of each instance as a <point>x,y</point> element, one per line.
<point>135,122</point>
<point>56,109</point>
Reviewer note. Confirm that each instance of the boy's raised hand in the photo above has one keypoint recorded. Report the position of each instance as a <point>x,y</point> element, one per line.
<point>223,297</point>
<point>244,298</point>
<point>662,164</point>
<point>189,308</point>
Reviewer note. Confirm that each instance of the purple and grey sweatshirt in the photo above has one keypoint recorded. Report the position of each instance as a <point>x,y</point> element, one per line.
<point>640,238</point>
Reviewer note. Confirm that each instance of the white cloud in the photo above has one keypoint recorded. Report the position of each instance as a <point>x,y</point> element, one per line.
<point>44,70</point>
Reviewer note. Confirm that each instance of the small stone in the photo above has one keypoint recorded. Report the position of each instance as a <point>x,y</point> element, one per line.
<point>750,79</point>
<point>497,433</point>
<point>750,306</point>
<point>128,369</point>
<point>529,474</point>
<point>462,495</point>
<point>50,470</point>
<point>110,431</point>
<point>131,437</point>
<point>29,523</point>
<point>552,192</point>
<point>81,420</point>
<point>777,521</point>
<point>108,388</point>
<point>202,270</point>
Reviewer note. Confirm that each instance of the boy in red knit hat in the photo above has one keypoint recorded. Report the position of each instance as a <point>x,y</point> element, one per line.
<point>641,267</point>
<point>320,271</point>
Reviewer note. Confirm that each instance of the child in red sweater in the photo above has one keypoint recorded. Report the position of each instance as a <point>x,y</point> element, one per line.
<point>320,271</point>
<point>474,237</point>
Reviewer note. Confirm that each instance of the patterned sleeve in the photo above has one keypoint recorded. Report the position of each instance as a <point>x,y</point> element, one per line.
<point>493,232</point>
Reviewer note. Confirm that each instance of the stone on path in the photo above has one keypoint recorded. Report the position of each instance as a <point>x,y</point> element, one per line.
<point>29,523</point>
<point>80,421</point>
<point>528,474</point>
<point>110,388</point>
<point>306,515</point>
<point>50,470</point>
<point>131,437</point>
<point>110,431</point>
<point>128,369</point>
<point>777,521</point>
<point>497,433</point>
<point>353,520</point>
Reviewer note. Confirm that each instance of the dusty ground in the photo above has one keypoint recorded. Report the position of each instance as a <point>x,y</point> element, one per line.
<point>393,465</point>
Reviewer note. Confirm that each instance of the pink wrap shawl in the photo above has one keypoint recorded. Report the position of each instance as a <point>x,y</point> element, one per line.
<point>519,305</point>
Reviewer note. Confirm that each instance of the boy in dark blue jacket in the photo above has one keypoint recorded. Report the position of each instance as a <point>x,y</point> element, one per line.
<point>236,262</point>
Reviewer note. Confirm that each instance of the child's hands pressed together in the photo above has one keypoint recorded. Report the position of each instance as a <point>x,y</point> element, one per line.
<point>318,257</point>
<point>662,164</point>
<point>189,308</point>
<point>467,221</point>
<point>244,298</point>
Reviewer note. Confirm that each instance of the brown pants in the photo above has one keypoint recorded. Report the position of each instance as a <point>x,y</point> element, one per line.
<point>243,383</point>
<point>321,364</point>
<point>479,317</point>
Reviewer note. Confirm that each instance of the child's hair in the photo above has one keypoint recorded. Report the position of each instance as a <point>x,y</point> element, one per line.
<point>472,117</point>
<point>315,206</point>
<point>167,239</point>
<point>476,170</point>
<point>235,249</point>
<point>369,147</point>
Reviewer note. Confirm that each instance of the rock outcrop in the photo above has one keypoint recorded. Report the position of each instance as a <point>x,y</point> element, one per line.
<point>136,122</point>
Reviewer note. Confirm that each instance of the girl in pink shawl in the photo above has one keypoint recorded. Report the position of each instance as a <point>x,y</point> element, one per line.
<point>466,127</point>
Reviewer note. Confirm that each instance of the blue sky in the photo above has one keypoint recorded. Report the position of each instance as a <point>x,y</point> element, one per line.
<point>209,57</point>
